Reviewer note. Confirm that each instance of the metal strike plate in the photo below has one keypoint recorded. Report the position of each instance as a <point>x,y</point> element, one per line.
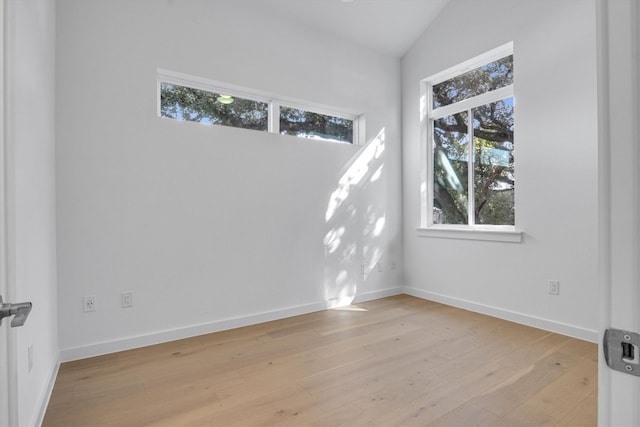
<point>622,351</point>
<point>20,311</point>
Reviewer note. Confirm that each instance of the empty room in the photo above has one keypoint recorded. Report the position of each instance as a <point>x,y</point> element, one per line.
<point>320,212</point>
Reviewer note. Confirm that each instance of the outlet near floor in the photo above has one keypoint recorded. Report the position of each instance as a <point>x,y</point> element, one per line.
<point>553,287</point>
<point>126,299</point>
<point>89,303</point>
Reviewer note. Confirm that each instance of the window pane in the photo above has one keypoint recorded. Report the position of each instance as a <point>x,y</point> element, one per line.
<point>185,103</point>
<point>316,126</point>
<point>450,166</point>
<point>493,163</point>
<point>483,79</point>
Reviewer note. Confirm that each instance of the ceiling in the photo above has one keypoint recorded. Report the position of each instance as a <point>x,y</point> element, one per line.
<point>386,26</point>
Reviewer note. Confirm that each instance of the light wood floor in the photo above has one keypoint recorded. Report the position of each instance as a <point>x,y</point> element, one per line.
<point>398,361</point>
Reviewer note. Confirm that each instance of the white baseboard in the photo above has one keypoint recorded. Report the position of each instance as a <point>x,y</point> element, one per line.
<point>369,296</point>
<point>159,337</point>
<point>98,349</point>
<point>46,396</point>
<point>536,322</point>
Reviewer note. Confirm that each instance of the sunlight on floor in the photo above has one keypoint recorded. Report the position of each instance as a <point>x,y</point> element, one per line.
<point>349,307</point>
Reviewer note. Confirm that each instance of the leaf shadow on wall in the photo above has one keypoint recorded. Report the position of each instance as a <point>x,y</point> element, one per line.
<point>355,220</point>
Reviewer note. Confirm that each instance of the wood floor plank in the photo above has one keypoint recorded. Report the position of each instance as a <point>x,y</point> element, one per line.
<point>467,415</point>
<point>398,361</point>
<point>585,414</point>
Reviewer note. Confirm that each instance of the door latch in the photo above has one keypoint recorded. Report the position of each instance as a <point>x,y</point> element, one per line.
<point>622,351</point>
<point>20,311</point>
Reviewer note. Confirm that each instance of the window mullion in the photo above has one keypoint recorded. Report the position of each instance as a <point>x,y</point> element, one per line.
<point>274,117</point>
<point>475,101</point>
<point>471,171</point>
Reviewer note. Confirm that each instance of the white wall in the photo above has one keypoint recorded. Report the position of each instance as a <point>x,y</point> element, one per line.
<point>556,166</point>
<point>31,181</point>
<point>212,227</point>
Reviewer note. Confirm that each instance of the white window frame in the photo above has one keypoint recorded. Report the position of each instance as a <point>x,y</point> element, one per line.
<point>428,114</point>
<point>274,102</point>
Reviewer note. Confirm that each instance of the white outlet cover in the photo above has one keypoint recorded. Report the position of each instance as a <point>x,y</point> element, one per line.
<point>126,299</point>
<point>554,287</point>
<point>89,303</point>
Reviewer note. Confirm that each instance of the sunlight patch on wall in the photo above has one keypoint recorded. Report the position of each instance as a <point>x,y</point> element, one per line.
<point>356,219</point>
<point>355,173</point>
<point>371,256</point>
<point>332,239</point>
<point>379,226</point>
<point>377,174</point>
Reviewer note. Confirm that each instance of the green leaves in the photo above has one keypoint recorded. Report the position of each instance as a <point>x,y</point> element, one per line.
<point>185,103</point>
<point>488,163</point>
<point>314,125</point>
<point>483,79</point>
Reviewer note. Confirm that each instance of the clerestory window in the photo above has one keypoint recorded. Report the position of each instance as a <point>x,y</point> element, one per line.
<point>189,98</point>
<point>307,124</point>
<point>468,128</point>
<point>209,107</point>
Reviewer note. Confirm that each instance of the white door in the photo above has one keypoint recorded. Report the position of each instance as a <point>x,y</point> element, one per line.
<point>8,353</point>
<point>4,348</point>
<point>4,332</point>
<point>619,199</point>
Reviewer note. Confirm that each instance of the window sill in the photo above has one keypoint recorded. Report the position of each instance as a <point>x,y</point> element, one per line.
<point>498,234</point>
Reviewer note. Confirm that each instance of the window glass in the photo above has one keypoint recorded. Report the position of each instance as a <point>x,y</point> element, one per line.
<point>450,168</point>
<point>492,76</point>
<point>493,163</point>
<point>190,98</point>
<point>308,124</point>
<point>185,103</point>
<point>471,173</point>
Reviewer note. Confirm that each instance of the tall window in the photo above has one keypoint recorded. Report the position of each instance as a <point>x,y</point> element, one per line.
<point>470,175</point>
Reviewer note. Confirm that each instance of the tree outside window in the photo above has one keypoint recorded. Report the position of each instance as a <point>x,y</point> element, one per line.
<point>472,143</point>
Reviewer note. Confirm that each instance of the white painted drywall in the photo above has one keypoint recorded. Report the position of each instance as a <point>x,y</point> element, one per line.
<point>31,180</point>
<point>556,166</point>
<point>213,227</point>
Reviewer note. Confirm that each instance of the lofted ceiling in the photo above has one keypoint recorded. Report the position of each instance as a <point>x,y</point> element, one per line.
<point>386,26</point>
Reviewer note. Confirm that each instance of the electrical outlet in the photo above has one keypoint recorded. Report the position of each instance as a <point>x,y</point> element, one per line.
<point>380,267</point>
<point>554,287</point>
<point>126,299</point>
<point>89,303</point>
